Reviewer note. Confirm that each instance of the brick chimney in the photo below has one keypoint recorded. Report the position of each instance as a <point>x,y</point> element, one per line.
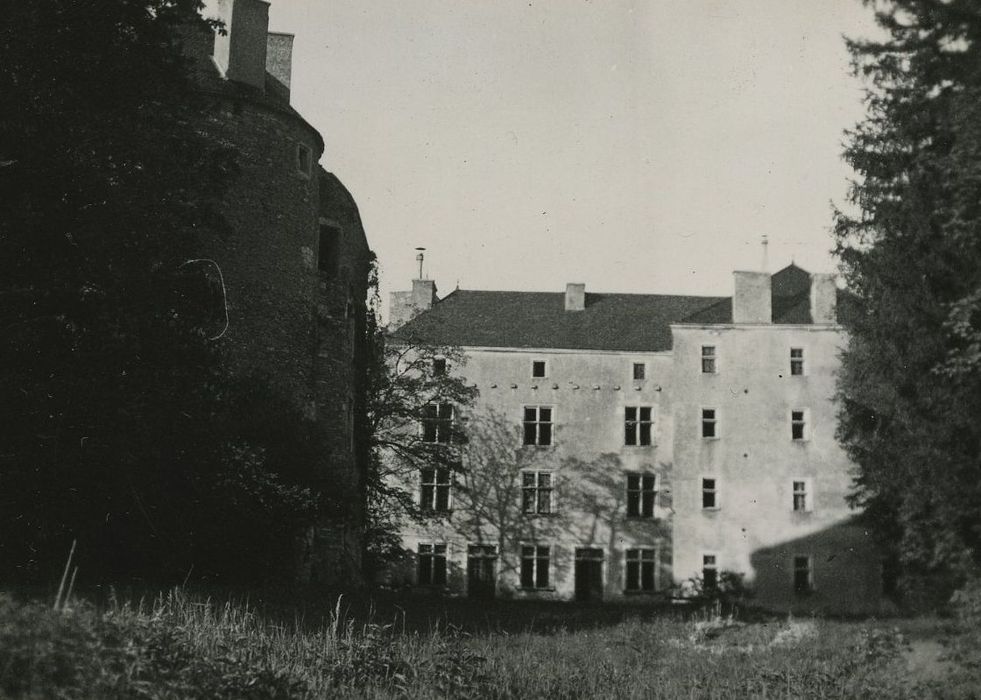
<point>241,53</point>
<point>575,296</point>
<point>404,306</point>
<point>752,301</point>
<point>279,61</point>
<point>824,298</point>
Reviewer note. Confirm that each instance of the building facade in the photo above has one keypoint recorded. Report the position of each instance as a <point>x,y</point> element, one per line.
<point>295,263</point>
<point>631,447</point>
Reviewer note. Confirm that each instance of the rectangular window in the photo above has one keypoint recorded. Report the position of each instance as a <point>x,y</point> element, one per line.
<point>439,367</point>
<point>328,250</point>
<point>710,423</point>
<point>437,422</point>
<point>796,362</point>
<point>800,496</point>
<point>534,566</point>
<point>435,490</point>
<point>536,492</point>
<point>641,495</point>
<point>537,425</point>
<point>538,369</point>
<point>710,572</point>
<point>641,565</point>
<point>432,565</point>
<point>637,425</point>
<point>798,425</point>
<point>640,371</point>
<point>710,493</point>
<point>803,575</point>
<point>304,159</point>
<point>708,359</point>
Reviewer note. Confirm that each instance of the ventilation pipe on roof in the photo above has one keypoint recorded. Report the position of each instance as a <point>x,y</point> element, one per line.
<point>575,296</point>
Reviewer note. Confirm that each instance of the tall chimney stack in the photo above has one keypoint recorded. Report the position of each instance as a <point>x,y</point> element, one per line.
<point>241,53</point>
<point>279,62</point>
<point>575,296</point>
<point>752,301</point>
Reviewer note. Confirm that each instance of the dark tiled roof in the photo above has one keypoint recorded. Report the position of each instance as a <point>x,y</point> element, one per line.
<point>637,322</point>
<point>625,322</point>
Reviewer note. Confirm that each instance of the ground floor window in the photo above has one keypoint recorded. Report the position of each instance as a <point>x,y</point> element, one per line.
<point>432,565</point>
<point>803,575</point>
<point>710,572</point>
<point>535,561</point>
<point>641,565</point>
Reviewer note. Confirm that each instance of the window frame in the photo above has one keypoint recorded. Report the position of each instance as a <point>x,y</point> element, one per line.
<point>803,423</point>
<point>705,567</point>
<point>639,426</point>
<point>537,490</point>
<point>535,569</point>
<point>440,367</point>
<point>716,492</point>
<point>442,425</point>
<point>713,422</point>
<point>642,366</point>
<point>436,487</point>
<point>433,557</point>
<point>709,359</point>
<point>303,160</point>
<point>538,423</point>
<point>544,365</point>
<point>641,495</point>
<point>807,494</point>
<point>641,562</point>
<point>798,362</point>
<point>795,569</point>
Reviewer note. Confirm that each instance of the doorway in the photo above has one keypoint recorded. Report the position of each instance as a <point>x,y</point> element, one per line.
<point>481,571</point>
<point>589,574</point>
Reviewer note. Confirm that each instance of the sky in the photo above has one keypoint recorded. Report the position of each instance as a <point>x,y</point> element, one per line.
<point>641,146</point>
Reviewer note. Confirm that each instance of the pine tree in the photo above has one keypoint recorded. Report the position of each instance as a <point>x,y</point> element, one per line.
<point>910,385</point>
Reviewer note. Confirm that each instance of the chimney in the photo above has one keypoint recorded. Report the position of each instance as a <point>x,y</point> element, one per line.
<point>241,53</point>
<point>405,306</point>
<point>824,298</point>
<point>575,296</point>
<point>279,61</point>
<point>752,301</point>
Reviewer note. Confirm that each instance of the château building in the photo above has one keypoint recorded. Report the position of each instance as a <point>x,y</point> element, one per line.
<point>629,446</point>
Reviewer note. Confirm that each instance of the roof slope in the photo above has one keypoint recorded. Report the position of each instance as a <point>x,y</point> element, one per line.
<point>622,322</point>
<point>631,322</point>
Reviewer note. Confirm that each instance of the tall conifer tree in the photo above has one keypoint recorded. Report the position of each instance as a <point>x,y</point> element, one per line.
<point>911,251</point>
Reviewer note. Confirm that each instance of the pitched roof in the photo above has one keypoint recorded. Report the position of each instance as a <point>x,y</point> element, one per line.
<point>622,322</point>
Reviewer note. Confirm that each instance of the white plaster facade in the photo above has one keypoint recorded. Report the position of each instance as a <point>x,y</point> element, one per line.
<point>756,527</point>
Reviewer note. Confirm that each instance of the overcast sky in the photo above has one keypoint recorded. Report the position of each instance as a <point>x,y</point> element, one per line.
<point>635,146</point>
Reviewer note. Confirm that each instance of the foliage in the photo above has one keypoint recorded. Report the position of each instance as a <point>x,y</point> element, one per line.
<point>179,646</point>
<point>910,384</point>
<point>402,381</point>
<point>119,428</point>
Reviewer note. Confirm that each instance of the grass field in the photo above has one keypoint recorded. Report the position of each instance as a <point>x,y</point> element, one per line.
<point>186,646</point>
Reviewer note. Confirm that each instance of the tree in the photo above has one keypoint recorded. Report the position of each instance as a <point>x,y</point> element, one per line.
<point>910,384</point>
<point>415,419</point>
<point>119,428</point>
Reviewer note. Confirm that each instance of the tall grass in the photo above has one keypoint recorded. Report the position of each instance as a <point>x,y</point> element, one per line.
<point>181,646</point>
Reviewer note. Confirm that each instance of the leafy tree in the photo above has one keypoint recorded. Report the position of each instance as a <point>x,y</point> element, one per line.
<point>407,379</point>
<point>910,383</point>
<point>118,427</point>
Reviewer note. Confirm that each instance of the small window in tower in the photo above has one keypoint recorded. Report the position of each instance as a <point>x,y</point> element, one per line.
<point>328,250</point>
<point>640,371</point>
<point>538,369</point>
<point>304,159</point>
